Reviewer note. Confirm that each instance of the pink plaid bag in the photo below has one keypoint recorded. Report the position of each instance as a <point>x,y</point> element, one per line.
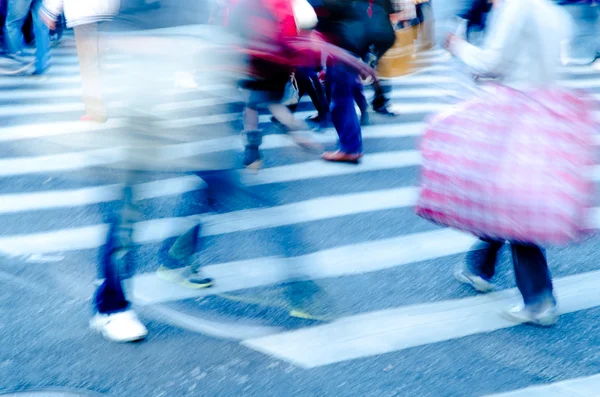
<point>511,166</point>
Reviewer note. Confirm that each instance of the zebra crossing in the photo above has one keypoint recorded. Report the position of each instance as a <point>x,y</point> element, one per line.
<point>357,221</point>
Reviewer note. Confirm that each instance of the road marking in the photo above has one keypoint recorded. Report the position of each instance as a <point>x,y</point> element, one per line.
<point>90,237</point>
<point>33,131</point>
<point>402,108</point>
<point>44,200</point>
<point>233,329</point>
<point>25,109</point>
<point>348,260</point>
<point>60,162</point>
<point>29,81</point>
<point>319,169</point>
<point>393,330</point>
<point>89,158</point>
<point>10,203</point>
<point>580,387</point>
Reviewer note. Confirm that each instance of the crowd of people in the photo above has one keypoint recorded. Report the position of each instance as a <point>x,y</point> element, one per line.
<point>326,49</point>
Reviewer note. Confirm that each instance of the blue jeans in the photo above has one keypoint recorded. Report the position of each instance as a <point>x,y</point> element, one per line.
<point>359,98</point>
<point>531,269</point>
<point>15,18</point>
<point>585,44</point>
<point>343,115</point>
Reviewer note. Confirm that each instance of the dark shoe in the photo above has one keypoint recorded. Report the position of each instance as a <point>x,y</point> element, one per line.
<point>341,157</point>
<point>195,280</point>
<point>252,158</point>
<point>384,110</point>
<point>315,118</point>
<point>177,267</point>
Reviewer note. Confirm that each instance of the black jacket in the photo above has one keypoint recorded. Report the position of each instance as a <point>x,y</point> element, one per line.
<point>352,27</point>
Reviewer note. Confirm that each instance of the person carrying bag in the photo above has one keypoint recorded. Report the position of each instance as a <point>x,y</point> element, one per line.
<point>512,165</point>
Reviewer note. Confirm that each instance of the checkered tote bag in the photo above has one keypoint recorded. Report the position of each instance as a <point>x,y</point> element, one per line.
<point>511,166</point>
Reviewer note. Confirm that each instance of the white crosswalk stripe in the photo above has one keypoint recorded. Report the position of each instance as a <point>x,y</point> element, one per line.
<point>579,387</point>
<point>396,244</point>
<point>392,330</point>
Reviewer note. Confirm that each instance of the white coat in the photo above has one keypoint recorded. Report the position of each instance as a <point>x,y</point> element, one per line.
<point>81,12</point>
<point>523,46</point>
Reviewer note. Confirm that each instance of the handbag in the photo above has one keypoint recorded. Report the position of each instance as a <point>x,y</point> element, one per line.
<point>304,14</point>
<point>511,166</point>
<point>291,95</point>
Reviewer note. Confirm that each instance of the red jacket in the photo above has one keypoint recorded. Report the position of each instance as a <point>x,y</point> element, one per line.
<point>283,11</point>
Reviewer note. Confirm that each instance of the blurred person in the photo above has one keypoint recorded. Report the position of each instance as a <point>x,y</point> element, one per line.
<point>425,19</point>
<point>85,18</point>
<point>17,13</point>
<point>277,43</point>
<point>475,15</point>
<point>522,51</point>
<point>265,40</point>
<point>354,26</point>
<point>343,27</point>
<point>143,142</point>
<point>585,44</point>
<point>379,19</point>
<point>309,83</point>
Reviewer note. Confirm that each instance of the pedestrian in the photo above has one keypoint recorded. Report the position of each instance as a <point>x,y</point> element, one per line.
<point>309,83</point>
<point>269,68</point>
<point>585,45</point>
<point>345,27</point>
<point>17,13</point>
<point>85,17</point>
<point>475,15</point>
<point>522,51</point>
<point>378,22</point>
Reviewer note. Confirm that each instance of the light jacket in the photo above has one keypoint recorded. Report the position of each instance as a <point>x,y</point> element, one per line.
<point>81,12</point>
<point>523,45</point>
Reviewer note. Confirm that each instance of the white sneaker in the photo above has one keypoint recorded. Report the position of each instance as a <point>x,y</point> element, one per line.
<point>480,284</point>
<point>523,315</point>
<point>119,327</point>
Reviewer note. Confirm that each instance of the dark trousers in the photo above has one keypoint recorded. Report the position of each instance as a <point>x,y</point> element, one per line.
<point>308,83</point>
<point>343,115</point>
<point>531,269</point>
<point>116,258</point>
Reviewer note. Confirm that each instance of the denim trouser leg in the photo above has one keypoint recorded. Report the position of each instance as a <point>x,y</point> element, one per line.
<point>116,262</point>
<point>531,269</point>
<point>585,43</point>
<point>532,274</point>
<point>42,38</point>
<point>343,80</point>
<point>359,98</point>
<point>481,260</point>
<point>15,18</point>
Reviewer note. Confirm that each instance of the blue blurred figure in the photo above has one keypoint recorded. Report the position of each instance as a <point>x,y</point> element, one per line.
<point>17,13</point>
<point>585,46</point>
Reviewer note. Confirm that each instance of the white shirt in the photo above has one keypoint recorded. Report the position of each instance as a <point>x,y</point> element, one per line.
<point>523,45</point>
<point>81,12</point>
